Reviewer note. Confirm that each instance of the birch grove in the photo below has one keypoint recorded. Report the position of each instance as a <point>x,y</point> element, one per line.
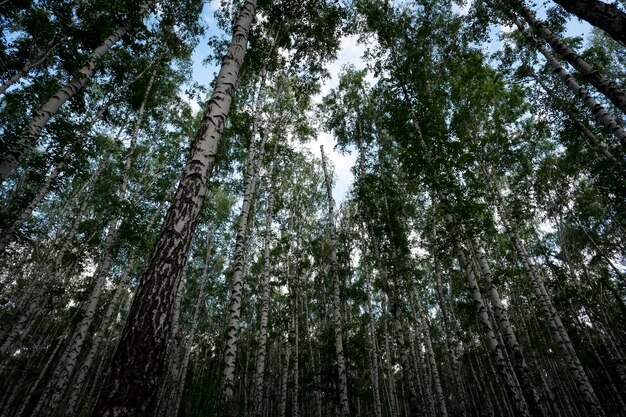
<point>173,242</point>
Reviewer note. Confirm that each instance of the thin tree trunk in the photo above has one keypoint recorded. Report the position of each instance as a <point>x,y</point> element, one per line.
<point>510,339</point>
<point>252,174</point>
<point>295,403</point>
<point>425,324</point>
<point>265,305</point>
<point>557,331</point>
<point>596,142</point>
<point>51,46</point>
<point>393,397</point>
<point>341,361</point>
<point>28,139</point>
<point>134,378</point>
<point>52,176</point>
<point>105,325</point>
<point>374,368</point>
<point>284,382</point>
<point>598,111</point>
<point>495,348</point>
<point>609,88</point>
<point>70,358</point>
<point>200,301</point>
<point>450,346</point>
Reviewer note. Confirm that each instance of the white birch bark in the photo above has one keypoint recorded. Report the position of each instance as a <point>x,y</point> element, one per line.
<point>285,381</point>
<point>596,109</point>
<point>29,138</point>
<point>609,88</point>
<point>70,357</point>
<point>595,142</point>
<point>341,361</point>
<point>425,324</point>
<point>265,306</point>
<point>252,175</point>
<point>510,339</point>
<point>25,214</point>
<point>557,330</point>
<point>50,47</point>
<point>139,357</point>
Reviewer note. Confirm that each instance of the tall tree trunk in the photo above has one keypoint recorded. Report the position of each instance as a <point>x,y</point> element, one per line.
<point>295,403</point>
<point>106,324</point>
<point>460,403</point>
<point>597,143</point>
<point>25,214</point>
<point>510,339</point>
<point>179,389</point>
<point>341,361</point>
<point>134,378</point>
<point>425,324</point>
<point>374,367</point>
<point>50,47</point>
<point>596,109</point>
<point>70,358</point>
<point>284,381</point>
<point>265,306</point>
<point>393,397</point>
<point>28,139</point>
<point>605,16</point>
<point>609,88</point>
<point>557,331</point>
<point>510,382</point>
<point>252,174</point>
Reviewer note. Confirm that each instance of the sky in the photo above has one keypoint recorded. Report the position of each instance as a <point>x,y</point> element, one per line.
<point>350,52</point>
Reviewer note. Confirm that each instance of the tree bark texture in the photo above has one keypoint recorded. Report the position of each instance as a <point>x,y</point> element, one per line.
<point>265,307</point>
<point>341,361</point>
<point>28,139</point>
<point>139,361</point>
<point>239,264</point>
<point>557,330</point>
<point>609,88</point>
<point>596,109</point>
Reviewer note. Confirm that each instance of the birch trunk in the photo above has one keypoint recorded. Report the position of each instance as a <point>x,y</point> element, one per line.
<point>52,176</point>
<point>596,142</point>
<point>341,361</point>
<point>103,331</point>
<point>510,383</point>
<point>609,88</point>
<point>557,330</point>
<point>284,382</point>
<point>374,369</point>
<point>295,403</point>
<point>425,324</point>
<point>510,339</point>
<point>105,325</point>
<point>495,348</point>
<point>596,109</point>
<point>393,397</point>
<point>265,307</point>
<point>252,174</point>
<point>70,359</point>
<point>50,47</point>
<point>450,346</point>
<point>134,378</point>
<point>28,139</point>
<point>180,387</point>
